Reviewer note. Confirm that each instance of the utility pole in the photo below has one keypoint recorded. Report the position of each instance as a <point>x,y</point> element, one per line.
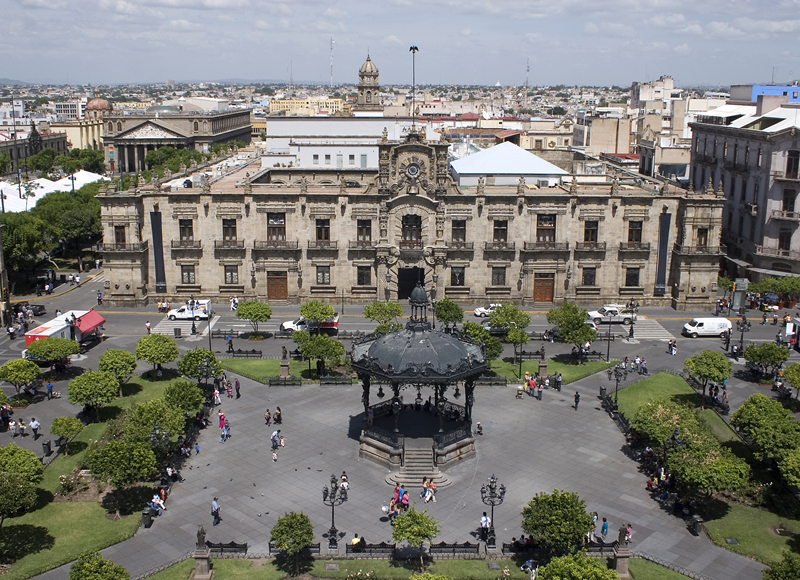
<point>413,50</point>
<point>331,63</point>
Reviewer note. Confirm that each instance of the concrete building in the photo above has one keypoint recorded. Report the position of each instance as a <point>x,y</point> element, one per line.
<point>18,144</point>
<point>602,132</point>
<point>749,155</point>
<point>72,109</point>
<point>749,93</point>
<point>505,164</point>
<point>86,133</point>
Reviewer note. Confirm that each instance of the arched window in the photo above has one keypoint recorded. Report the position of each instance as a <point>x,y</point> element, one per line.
<point>369,96</point>
<point>196,126</point>
<point>119,126</point>
<point>110,127</point>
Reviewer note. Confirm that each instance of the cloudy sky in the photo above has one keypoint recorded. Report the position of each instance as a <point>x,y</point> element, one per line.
<point>591,42</point>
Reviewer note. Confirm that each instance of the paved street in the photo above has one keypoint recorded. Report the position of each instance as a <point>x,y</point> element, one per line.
<point>531,446</point>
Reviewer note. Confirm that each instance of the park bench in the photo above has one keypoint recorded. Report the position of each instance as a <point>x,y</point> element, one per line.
<point>246,353</point>
<point>515,548</point>
<point>443,549</point>
<point>295,354</point>
<point>290,381</point>
<point>602,548</point>
<point>531,355</point>
<point>283,334</point>
<point>229,548</point>
<point>223,333</point>
<point>382,550</point>
<point>492,381</point>
<point>594,355</point>
<point>335,380</point>
<point>306,552</point>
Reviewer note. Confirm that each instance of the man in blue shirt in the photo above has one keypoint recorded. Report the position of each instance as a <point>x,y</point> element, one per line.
<point>215,511</point>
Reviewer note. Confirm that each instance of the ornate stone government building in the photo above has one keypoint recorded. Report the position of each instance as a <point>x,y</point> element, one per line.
<point>356,235</point>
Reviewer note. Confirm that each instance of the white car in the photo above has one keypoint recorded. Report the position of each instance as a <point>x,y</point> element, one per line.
<point>484,311</point>
<point>612,313</point>
<point>199,312</point>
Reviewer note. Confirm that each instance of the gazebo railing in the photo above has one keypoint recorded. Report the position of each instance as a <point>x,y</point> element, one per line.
<point>394,440</point>
<point>382,408</point>
<point>460,410</point>
<point>442,440</point>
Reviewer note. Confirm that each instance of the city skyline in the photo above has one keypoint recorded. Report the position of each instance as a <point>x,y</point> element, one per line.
<point>467,42</point>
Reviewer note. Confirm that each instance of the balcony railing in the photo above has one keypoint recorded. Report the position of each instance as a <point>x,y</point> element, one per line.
<point>322,244</point>
<point>186,244</point>
<point>634,246</point>
<point>282,244</point>
<point>546,246</point>
<point>410,244</point>
<point>229,243</point>
<point>777,253</point>
<point>792,175</point>
<point>120,247</point>
<point>500,246</point>
<point>459,245</point>
<point>778,214</point>
<point>591,246</point>
<point>709,250</point>
<point>362,245</point>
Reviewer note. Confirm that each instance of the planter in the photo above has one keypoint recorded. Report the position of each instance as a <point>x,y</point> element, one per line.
<point>791,304</point>
<point>780,304</point>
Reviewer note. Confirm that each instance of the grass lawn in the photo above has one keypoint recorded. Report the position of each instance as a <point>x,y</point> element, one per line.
<point>751,527</point>
<point>258,370</point>
<point>656,387</point>
<point>645,570</point>
<point>63,465</point>
<point>570,372</point>
<point>58,533</point>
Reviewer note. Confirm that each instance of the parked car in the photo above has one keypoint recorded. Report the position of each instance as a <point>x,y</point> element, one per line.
<point>484,311</point>
<point>329,326</point>
<point>495,330</point>
<point>200,311</point>
<point>612,313</point>
<point>707,327</point>
<point>38,309</point>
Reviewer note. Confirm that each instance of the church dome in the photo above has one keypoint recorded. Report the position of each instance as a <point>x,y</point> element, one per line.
<point>98,104</point>
<point>368,68</point>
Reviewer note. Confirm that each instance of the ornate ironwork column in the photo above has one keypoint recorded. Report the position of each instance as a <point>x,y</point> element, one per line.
<point>469,389</point>
<point>365,395</point>
<point>333,497</point>
<point>492,495</point>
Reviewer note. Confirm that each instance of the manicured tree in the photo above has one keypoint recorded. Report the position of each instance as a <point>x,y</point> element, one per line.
<point>769,426</point>
<point>385,314</point>
<point>254,313</point>
<point>448,312</point>
<point>157,349</point>
<point>707,366</point>
<point>572,327</point>
<point>184,395</point>
<point>576,567</point>
<point>315,312</point>
<point>707,467</point>
<point>323,348</point>
<point>725,284</point>
<point>656,421</point>
<point>120,363</point>
<point>557,521</point>
<point>193,361</point>
<point>93,389</point>
<point>142,419</point>
<point>768,354</point>
<point>792,374</point>
<point>122,463</point>
<point>52,350</point>
<point>19,372</point>
<point>416,528</point>
<point>20,461</point>
<point>517,337</point>
<point>790,467</point>
<point>67,428</point>
<point>95,567</point>
<point>509,316</point>
<point>16,493</point>
<point>292,533</point>
<point>479,333</point>
<point>787,569</point>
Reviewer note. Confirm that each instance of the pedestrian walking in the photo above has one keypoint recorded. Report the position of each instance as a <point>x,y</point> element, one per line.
<point>577,399</point>
<point>268,418</point>
<point>34,425</point>
<point>238,386</point>
<point>541,388</point>
<point>278,416</point>
<point>49,390</point>
<point>629,534</point>
<point>147,326</point>
<point>229,388</point>
<point>558,382</point>
<point>217,400</point>
<point>215,511</point>
<point>221,419</point>
<point>274,456</point>
<point>71,279</point>
<point>97,264</point>
<point>485,523</point>
<point>764,319</point>
<point>12,428</point>
<point>604,529</point>
<point>643,367</point>
<point>774,318</point>
<point>77,281</point>
<point>275,438</point>
<point>21,427</point>
<point>99,298</point>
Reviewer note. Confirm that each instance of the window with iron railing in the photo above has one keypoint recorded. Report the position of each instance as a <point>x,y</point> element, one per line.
<point>498,276</point>
<point>589,276</point>
<point>457,275</point>
<point>186,230</point>
<point>323,230</point>
<point>635,231</point>
<point>119,234</point>
<point>500,234</point>
<point>546,228</point>
<point>631,277</point>
<point>276,226</point>
<point>364,230</point>
<point>231,274</point>
<point>228,230</point>
<point>187,274</point>
<point>364,275</point>
<point>459,231</point>
<point>590,231</point>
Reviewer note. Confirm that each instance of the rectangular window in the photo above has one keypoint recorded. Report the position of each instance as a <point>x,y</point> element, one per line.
<point>352,160</point>
<point>590,231</point>
<point>186,230</point>
<point>459,230</point>
<point>315,159</point>
<point>566,142</point>
<point>498,276</point>
<point>741,226</point>
<point>231,274</point>
<point>546,228</point>
<point>789,197</point>
<point>590,276</point>
<point>187,274</point>
<point>785,238</point>
<point>537,144</point>
<point>500,231</point>
<point>702,237</point>
<point>635,232</point>
<point>364,230</point>
<point>632,277</point>
<point>276,226</point>
<point>412,231</point>
<point>228,230</point>
<point>323,230</point>
<point>323,274</point>
<point>792,164</point>
<point>119,234</point>
<point>364,276</point>
<point>758,158</point>
<point>327,160</point>
<point>363,162</point>
<point>457,275</point>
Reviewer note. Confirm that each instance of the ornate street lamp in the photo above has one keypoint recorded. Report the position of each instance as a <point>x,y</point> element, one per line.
<point>396,407</point>
<point>742,326</point>
<point>674,442</point>
<point>334,496</point>
<point>159,438</point>
<point>210,316</point>
<point>618,373</point>
<point>492,495</point>
<point>204,370</point>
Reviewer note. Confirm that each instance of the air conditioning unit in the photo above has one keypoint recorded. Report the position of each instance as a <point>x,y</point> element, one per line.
<point>542,183</point>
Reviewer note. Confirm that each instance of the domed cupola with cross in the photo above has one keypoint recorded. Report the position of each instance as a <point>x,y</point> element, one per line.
<point>369,98</point>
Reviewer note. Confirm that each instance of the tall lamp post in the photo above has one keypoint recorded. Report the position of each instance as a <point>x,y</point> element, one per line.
<point>413,50</point>
<point>617,373</point>
<point>492,495</point>
<point>159,438</point>
<point>333,497</point>
<point>204,370</point>
<point>608,340</point>
<point>210,316</point>
<point>742,326</point>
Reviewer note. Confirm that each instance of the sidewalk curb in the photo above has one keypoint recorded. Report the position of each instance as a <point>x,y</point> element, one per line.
<point>47,297</point>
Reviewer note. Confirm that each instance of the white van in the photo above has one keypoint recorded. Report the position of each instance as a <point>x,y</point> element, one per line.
<point>706,327</point>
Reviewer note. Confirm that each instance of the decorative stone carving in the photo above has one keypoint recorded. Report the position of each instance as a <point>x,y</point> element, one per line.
<point>691,188</point>
<point>720,191</point>
<point>614,186</point>
<point>342,186</point>
<point>193,163</point>
<point>140,181</point>
<point>151,131</point>
<point>664,189</point>
<point>206,184</point>
<point>710,186</point>
<point>303,185</point>
<point>573,187</point>
<point>521,186</point>
<point>248,185</point>
<point>182,168</point>
<point>480,185</point>
<point>443,135</point>
<point>385,136</point>
<point>167,173</point>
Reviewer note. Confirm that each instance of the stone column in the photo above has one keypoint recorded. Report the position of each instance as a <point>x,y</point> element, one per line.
<point>135,158</point>
<point>621,558</point>
<point>202,570</point>
<point>469,399</point>
<point>365,396</point>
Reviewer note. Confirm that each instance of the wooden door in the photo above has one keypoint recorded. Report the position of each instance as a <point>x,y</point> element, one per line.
<point>277,286</point>
<point>543,287</point>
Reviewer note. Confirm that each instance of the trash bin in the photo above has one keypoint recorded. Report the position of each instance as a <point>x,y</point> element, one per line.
<point>46,448</point>
<point>602,392</point>
<point>177,332</point>
<point>63,278</point>
<point>147,517</point>
<point>697,524</point>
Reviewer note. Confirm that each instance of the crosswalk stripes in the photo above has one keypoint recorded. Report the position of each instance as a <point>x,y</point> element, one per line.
<point>647,329</point>
<point>167,326</point>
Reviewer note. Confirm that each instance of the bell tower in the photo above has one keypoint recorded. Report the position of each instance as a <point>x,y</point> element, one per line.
<point>369,98</point>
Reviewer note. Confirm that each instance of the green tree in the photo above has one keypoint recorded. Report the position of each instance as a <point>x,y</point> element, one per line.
<point>16,493</point>
<point>315,312</point>
<point>656,421</point>
<point>789,467</point>
<point>120,363</point>
<point>25,236</point>
<point>787,569</point>
<point>52,350</point>
<point>791,373</point>
<point>94,389</point>
<point>184,395</point>
<point>300,337</point>
<point>708,365</point>
<point>5,163</point>
<point>509,316</point>
<point>707,467</point>
<point>143,417</point>
<point>323,348</point>
<point>558,111</point>
<point>517,337</point>
<point>122,463</point>
<point>193,361</point>
<point>416,528</point>
<point>768,354</point>
<point>19,372</point>
<point>479,333</point>
<point>557,521</point>
<point>14,459</point>
<point>66,427</point>
<point>385,314</point>
<point>448,312</point>
<point>157,349</point>
<point>576,567</point>
<point>254,313</point>
<point>571,322</point>
<point>95,567</point>
<point>769,426</point>
<point>726,285</point>
<point>292,533</point>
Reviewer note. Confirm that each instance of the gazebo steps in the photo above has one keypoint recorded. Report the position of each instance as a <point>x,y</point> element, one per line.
<point>410,481</point>
<point>418,465</point>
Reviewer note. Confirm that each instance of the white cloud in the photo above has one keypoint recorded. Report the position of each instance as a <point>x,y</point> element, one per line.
<point>263,25</point>
<point>608,29</point>
<point>335,13</point>
<point>48,4</point>
<point>199,4</point>
<point>184,25</point>
<point>723,30</point>
<point>768,26</point>
<point>693,28</point>
<point>683,49</point>
<point>466,32</point>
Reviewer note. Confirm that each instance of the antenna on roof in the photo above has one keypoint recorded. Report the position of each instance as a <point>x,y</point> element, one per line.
<point>527,72</point>
<point>413,50</point>
<point>331,63</point>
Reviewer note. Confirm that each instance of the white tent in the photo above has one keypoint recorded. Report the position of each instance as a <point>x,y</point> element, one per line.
<point>81,178</point>
<point>12,202</point>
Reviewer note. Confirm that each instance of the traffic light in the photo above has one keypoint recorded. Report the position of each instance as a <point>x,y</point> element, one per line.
<point>734,287</point>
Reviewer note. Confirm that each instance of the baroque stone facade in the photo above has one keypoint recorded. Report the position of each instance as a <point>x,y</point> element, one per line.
<point>361,236</point>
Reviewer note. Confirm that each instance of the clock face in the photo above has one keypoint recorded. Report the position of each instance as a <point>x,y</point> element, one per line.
<point>412,170</point>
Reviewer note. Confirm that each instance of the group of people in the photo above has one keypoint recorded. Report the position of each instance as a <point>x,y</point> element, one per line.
<point>18,426</point>
<point>637,365</point>
<point>164,307</point>
<point>74,279</point>
<point>533,385</point>
<point>672,347</point>
<point>398,504</point>
<point>277,418</point>
<point>229,387</point>
<point>277,440</point>
<point>234,304</point>
<point>224,427</point>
